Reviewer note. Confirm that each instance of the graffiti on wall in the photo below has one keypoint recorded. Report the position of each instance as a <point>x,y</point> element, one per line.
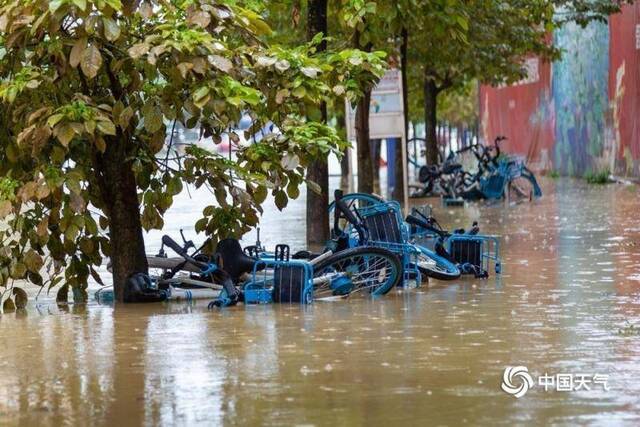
<point>580,96</point>
<point>582,114</point>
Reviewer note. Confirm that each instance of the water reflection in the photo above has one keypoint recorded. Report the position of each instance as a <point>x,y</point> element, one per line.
<point>431,355</point>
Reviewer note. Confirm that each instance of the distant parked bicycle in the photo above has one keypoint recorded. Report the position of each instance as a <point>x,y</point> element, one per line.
<point>497,176</point>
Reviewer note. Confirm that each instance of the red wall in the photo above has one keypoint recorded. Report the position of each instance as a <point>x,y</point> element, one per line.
<point>624,90</point>
<point>522,113</point>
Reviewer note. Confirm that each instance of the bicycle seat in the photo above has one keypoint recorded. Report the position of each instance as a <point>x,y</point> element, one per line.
<point>308,255</point>
<point>233,260</point>
<point>449,168</point>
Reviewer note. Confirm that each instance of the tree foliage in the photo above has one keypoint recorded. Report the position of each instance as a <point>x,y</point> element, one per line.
<point>83,79</point>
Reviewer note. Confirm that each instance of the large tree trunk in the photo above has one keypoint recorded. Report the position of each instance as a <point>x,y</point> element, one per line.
<point>430,119</point>
<point>365,165</point>
<point>398,189</point>
<point>318,171</point>
<point>119,191</point>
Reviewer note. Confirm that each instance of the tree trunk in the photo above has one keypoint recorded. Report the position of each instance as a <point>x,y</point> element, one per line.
<point>344,162</point>
<point>398,189</point>
<point>318,171</point>
<point>119,191</point>
<point>365,165</point>
<point>430,119</point>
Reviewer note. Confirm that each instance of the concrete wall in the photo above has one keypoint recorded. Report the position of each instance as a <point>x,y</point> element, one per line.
<point>579,114</point>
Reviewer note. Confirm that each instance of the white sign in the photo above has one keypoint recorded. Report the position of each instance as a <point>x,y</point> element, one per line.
<point>386,118</point>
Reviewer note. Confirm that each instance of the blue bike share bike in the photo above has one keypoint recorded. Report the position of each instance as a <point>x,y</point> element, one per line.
<point>425,248</point>
<point>254,276</point>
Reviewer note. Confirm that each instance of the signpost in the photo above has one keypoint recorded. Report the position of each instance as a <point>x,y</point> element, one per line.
<point>386,121</point>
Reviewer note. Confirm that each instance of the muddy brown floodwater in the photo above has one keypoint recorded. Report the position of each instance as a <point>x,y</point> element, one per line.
<point>568,302</point>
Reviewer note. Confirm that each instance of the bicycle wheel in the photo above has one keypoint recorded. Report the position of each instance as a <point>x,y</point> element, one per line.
<point>354,201</point>
<point>357,201</point>
<point>524,187</point>
<point>435,266</point>
<point>364,269</point>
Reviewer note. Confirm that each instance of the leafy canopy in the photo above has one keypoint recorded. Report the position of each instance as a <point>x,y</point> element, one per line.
<point>81,77</point>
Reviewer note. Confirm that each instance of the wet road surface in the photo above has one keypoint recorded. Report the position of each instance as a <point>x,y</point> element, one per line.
<point>568,302</point>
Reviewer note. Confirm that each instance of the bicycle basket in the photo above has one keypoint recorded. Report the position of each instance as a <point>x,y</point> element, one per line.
<point>288,282</point>
<point>477,251</point>
<point>492,187</point>
<point>383,222</point>
<point>386,229</point>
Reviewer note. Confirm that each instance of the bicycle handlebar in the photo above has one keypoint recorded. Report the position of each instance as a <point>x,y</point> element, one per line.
<point>168,241</point>
<point>418,222</point>
<point>341,207</point>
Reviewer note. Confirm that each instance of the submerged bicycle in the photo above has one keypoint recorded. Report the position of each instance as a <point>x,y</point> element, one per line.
<point>384,226</point>
<point>421,242</point>
<point>234,275</point>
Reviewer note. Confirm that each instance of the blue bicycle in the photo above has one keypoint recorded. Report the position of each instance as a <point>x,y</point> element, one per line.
<point>382,224</point>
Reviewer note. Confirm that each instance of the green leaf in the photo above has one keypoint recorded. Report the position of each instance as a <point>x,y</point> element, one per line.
<point>107,128</point>
<point>293,190</point>
<point>33,261</point>
<point>260,194</point>
<point>111,29</point>
<point>299,92</point>
<point>82,4</point>
<point>281,199</point>
<point>55,119</point>
<point>91,61</point>
<point>464,24</point>
<point>153,119</point>
<point>54,5</point>
<point>17,270</point>
<point>64,133</point>
<point>174,186</point>
<point>77,51</point>
<point>201,93</point>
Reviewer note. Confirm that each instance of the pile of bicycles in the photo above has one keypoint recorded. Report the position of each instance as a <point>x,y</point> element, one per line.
<point>372,250</point>
<point>494,176</point>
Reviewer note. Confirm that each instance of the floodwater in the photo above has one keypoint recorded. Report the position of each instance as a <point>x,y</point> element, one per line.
<point>568,302</point>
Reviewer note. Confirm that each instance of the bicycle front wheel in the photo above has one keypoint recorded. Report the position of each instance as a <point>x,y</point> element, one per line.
<point>433,265</point>
<point>367,270</point>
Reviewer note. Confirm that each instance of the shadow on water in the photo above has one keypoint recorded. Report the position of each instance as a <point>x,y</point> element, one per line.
<point>433,355</point>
